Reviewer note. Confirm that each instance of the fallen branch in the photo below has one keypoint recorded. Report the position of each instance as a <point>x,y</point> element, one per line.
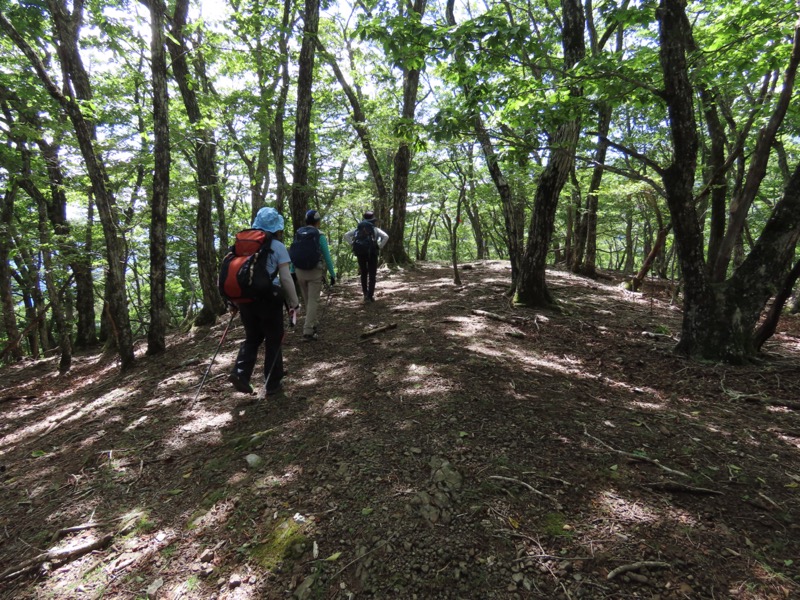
<point>529,487</point>
<point>761,399</point>
<point>372,332</point>
<point>674,486</point>
<point>82,527</point>
<point>56,556</point>
<point>647,564</point>
<point>638,457</point>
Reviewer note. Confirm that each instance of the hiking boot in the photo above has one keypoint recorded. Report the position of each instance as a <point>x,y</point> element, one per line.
<point>274,389</point>
<point>310,337</point>
<point>240,384</point>
<point>370,299</point>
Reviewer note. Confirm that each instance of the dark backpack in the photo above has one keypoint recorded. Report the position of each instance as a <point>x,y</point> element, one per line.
<point>365,240</point>
<point>243,277</point>
<point>305,250</point>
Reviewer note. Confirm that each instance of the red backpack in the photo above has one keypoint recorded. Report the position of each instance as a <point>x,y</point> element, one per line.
<point>243,277</point>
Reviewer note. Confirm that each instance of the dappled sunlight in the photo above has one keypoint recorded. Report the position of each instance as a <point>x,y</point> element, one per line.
<point>91,439</point>
<point>468,327</point>
<point>443,282</point>
<point>625,511</point>
<point>178,381</point>
<point>355,447</point>
<point>68,414</point>
<point>485,350</point>
<point>336,407</point>
<point>202,425</point>
<point>272,480</point>
<point>417,306</point>
<point>792,440</point>
<point>653,406</point>
<point>564,364</point>
<point>237,478</point>
<point>135,424</point>
<point>323,372</point>
<point>286,476</point>
<point>216,515</point>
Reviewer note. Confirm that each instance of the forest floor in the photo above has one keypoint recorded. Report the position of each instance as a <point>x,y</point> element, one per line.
<point>562,454</point>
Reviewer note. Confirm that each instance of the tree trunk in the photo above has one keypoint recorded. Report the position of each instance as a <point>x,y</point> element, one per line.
<point>428,231</point>
<point>301,191</point>
<point>757,170</point>
<point>636,281</point>
<point>471,208</point>
<point>513,209</point>
<point>532,289</point>
<point>629,245</point>
<point>205,155</point>
<point>395,249</point>
<point>159,317</point>
<point>53,292</point>
<point>67,28</point>
<point>86,330</point>
<point>719,318</point>
<point>6,297</point>
<point>770,322</point>
<point>360,125</point>
<point>588,266</point>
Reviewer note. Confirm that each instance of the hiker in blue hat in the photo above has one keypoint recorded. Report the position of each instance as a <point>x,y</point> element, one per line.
<point>263,318</point>
<point>310,256</point>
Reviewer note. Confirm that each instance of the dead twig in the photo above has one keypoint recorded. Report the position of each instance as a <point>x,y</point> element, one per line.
<point>529,487</point>
<point>646,564</point>
<point>378,546</point>
<point>638,457</point>
<point>535,474</point>
<point>674,486</point>
<point>372,332</point>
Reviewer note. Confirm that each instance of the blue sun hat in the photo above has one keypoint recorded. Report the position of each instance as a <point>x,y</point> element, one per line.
<point>268,219</point>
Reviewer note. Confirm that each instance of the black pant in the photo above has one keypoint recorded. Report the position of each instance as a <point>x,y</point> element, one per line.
<point>368,266</point>
<point>263,322</point>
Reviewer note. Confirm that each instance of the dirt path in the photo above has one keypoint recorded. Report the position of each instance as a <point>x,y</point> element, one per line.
<point>549,455</point>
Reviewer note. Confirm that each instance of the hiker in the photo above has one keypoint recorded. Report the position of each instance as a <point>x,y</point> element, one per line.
<point>308,252</point>
<point>263,318</point>
<point>367,239</point>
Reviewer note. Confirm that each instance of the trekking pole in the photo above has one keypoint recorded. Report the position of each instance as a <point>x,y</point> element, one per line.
<point>328,291</point>
<point>292,321</point>
<point>222,339</point>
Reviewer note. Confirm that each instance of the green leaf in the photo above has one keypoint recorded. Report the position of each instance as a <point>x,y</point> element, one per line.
<point>38,453</point>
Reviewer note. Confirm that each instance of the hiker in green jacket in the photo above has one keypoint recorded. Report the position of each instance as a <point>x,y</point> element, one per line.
<point>310,256</point>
